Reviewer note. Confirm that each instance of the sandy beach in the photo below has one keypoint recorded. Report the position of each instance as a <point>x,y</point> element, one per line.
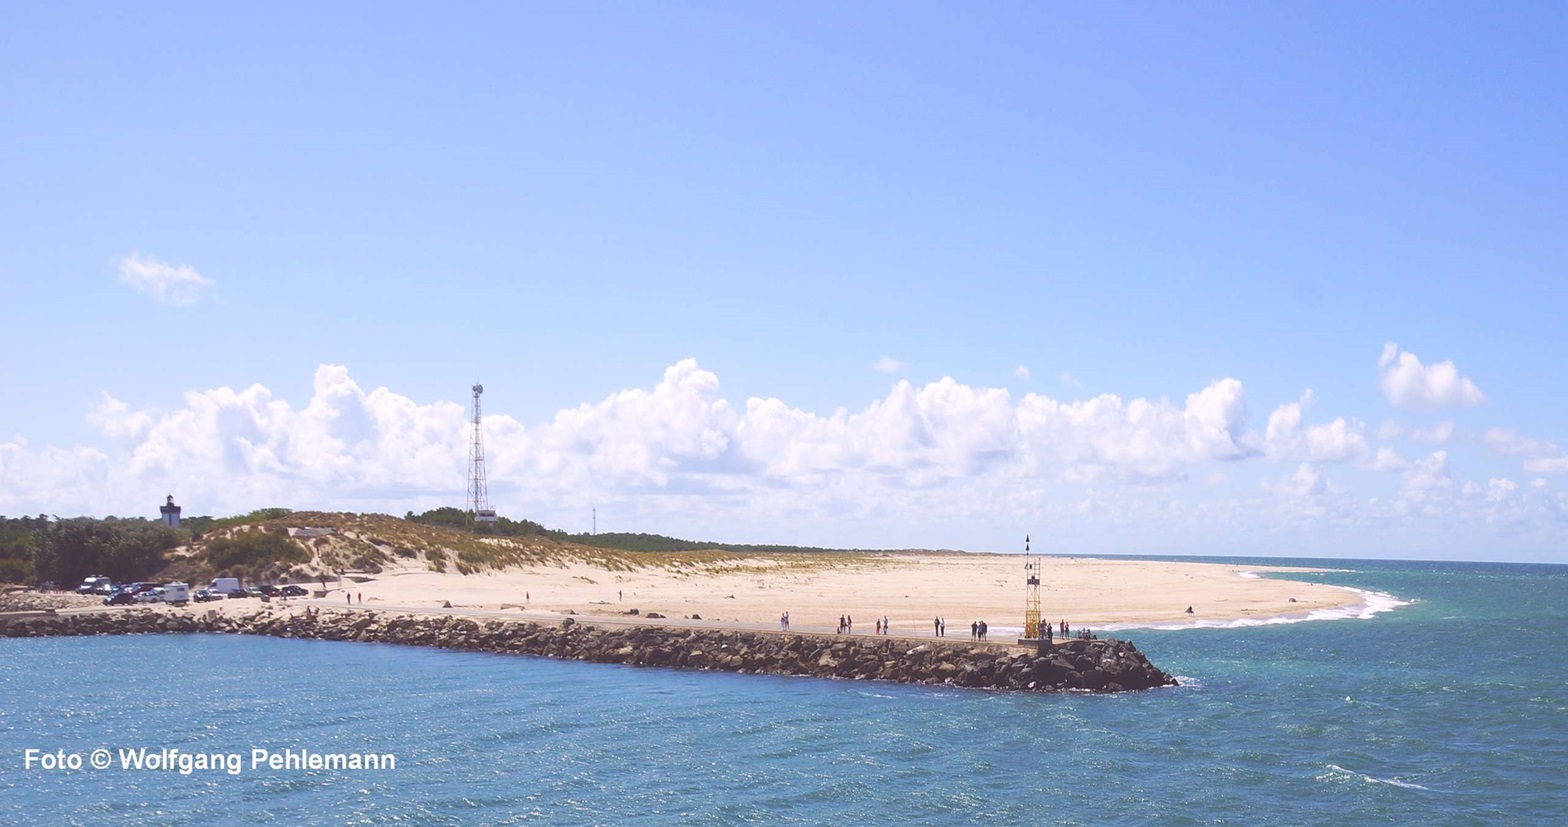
<point>910,589</point>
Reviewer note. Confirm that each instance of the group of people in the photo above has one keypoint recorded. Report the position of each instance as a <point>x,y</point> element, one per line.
<point>978,630</point>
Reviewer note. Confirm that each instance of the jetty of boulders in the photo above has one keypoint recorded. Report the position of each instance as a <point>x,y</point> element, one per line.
<point>1108,665</point>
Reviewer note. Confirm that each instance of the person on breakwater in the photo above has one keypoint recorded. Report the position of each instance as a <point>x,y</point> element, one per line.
<point>849,623</point>
<point>983,629</point>
<point>841,624</point>
<point>879,625</point>
<point>887,626</point>
<point>942,627</point>
<point>936,627</point>
<point>974,630</point>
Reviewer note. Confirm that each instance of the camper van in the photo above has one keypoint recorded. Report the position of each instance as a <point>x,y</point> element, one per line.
<point>177,593</point>
<point>225,586</point>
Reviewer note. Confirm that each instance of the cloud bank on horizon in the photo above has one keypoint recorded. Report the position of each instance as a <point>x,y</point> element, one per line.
<point>940,464</point>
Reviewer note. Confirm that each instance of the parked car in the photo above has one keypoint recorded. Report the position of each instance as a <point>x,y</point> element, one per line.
<point>292,590</point>
<point>120,597</point>
<point>152,595</point>
<point>91,584</point>
<point>235,594</point>
<point>141,588</point>
<point>269,590</point>
<point>205,595</point>
<point>106,588</point>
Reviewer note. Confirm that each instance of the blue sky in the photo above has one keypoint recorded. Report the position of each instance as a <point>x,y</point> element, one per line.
<point>255,256</point>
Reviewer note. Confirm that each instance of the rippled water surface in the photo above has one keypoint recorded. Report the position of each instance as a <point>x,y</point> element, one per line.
<point>1451,710</point>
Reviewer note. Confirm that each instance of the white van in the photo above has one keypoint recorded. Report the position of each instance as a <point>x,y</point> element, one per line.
<point>223,585</point>
<point>177,593</point>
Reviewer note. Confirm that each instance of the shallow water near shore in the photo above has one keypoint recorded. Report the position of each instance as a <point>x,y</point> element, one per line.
<point>1450,710</point>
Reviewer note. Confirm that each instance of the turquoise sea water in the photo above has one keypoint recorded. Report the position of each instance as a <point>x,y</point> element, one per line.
<point>1450,710</point>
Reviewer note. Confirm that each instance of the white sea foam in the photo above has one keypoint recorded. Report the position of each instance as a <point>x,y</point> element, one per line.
<point>1372,604</point>
<point>1372,779</point>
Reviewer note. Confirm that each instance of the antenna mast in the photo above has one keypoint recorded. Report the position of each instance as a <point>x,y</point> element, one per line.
<point>478,493</point>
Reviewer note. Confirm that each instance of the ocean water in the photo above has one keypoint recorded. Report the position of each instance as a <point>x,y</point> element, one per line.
<point>1451,709</point>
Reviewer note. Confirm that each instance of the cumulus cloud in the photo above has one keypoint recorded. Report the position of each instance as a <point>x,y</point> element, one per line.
<point>236,448</point>
<point>116,419</point>
<point>166,283</point>
<point>1285,438</point>
<point>1409,384</point>
<point>888,364</point>
<point>677,455</point>
<point>1022,372</point>
<point>1540,456</point>
<point>1437,434</point>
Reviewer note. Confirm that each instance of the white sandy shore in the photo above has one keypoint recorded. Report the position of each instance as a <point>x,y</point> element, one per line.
<point>909,589</point>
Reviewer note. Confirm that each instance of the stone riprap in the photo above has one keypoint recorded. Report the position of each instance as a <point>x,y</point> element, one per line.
<point>1096,665</point>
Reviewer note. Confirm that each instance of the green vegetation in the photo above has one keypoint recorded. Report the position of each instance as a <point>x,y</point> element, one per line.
<point>256,551</point>
<point>459,520</point>
<point>66,551</point>
<point>259,546</point>
<point>18,537</point>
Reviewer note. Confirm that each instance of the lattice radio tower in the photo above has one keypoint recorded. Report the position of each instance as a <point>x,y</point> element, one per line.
<point>1032,599</point>
<point>478,495</point>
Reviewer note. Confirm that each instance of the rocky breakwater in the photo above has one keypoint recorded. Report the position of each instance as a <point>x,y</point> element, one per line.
<point>1093,665</point>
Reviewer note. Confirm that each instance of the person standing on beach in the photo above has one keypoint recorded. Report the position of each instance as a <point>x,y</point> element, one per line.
<point>879,625</point>
<point>849,623</point>
<point>887,626</point>
<point>942,627</point>
<point>974,630</point>
<point>936,627</point>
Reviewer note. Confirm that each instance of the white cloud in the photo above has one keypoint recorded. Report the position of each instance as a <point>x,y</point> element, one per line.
<point>115,419</point>
<point>1307,481</point>
<point>1341,440</point>
<point>1427,486</point>
<point>1540,456</point>
<point>1136,439</point>
<point>166,283</point>
<point>887,364</point>
<point>1022,372</point>
<point>1437,434</point>
<point>676,455</point>
<point>1387,460</point>
<point>1390,430</point>
<point>1409,384</point>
